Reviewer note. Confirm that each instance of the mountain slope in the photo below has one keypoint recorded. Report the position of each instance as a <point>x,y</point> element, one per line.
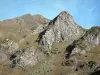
<point>34,45</point>
<point>61,29</point>
<point>32,21</point>
<point>19,27</point>
<point>28,21</point>
<point>90,40</point>
<point>17,41</point>
<point>85,52</point>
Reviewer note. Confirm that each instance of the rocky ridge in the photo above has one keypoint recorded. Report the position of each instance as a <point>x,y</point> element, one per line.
<point>61,29</point>
<point>88,41</point>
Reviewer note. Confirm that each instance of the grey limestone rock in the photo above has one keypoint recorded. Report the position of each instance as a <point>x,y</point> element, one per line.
<point>60,29</point>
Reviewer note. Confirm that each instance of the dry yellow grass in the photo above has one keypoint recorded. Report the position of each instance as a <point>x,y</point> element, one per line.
<point>30,40</point>
<point>94,54</point>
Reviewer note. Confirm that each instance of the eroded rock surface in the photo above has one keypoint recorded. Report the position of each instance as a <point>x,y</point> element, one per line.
<point>90,40</point>
<point>62,28</point>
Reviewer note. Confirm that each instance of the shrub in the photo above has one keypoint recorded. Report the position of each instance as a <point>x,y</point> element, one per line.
<point>91,63</point>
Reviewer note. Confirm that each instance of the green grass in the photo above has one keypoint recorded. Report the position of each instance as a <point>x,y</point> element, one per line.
<point>29,41</point>
<point>59,46</point>
<point>6,70</point>
<point>94,29</point>
<point>94,54</point>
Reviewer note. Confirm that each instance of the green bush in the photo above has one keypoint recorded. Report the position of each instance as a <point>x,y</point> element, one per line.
<point>91,63</point>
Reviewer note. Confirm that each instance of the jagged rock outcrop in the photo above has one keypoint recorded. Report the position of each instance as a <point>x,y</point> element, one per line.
<point>26,57</point>
<point>90,39</point>
<point>7,47</point>
<point>60,29</point>
<point>10,50</point>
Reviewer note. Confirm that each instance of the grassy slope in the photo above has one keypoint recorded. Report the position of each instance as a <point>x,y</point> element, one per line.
<point>14,34</point>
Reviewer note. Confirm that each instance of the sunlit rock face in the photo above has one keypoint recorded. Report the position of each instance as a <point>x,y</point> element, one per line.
<point>7,48</point>
<point>30,57</point>
<point>60,29</point>
<point>87,42</point>
<point>26,58</point>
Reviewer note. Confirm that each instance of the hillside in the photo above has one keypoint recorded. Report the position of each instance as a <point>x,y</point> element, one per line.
<point>35,45</point>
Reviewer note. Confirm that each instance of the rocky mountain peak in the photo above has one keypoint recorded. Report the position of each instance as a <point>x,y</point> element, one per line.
<point>32,21</point>
<point>62,28</point>
<point>26,15</point>
<point>62,17</point>
<point>64,14</point>
<point>34,18</point>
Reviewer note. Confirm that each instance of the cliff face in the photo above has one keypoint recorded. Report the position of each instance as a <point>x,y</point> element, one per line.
<point>86,49</point>
<point>61,29</point>
<point>88,41</point>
